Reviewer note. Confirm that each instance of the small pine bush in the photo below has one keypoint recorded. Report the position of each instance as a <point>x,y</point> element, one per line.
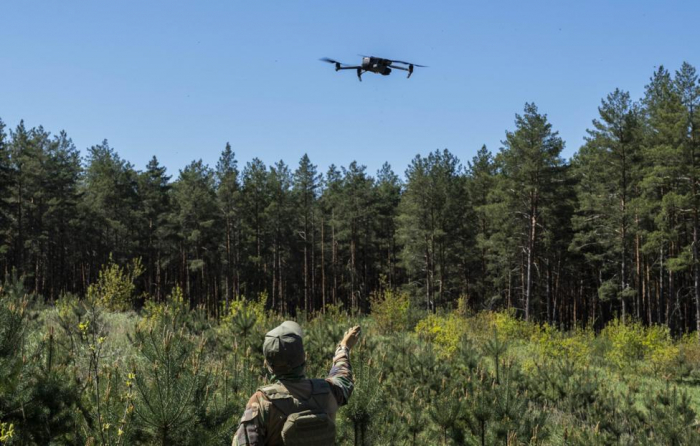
<point>391,310</point>
<point>115,285</point>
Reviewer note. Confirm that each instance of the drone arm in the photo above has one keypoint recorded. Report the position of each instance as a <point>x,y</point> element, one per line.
<point>409,69</point>
<point>348,68</point>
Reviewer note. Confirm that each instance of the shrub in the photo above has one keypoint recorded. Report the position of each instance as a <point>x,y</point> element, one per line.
<point>551,343</point>
<point>243,305</point>
<point>115,285</point>
<point>6,432</point>
<point>632,342</point>
<point>463,308</point>
<point>686,363</point>
<point>333,312</point>
<point>625,342</point>
<point>174,307</point>
<point>391,310</point>
<point>510,327</point>
<point>445,332</point>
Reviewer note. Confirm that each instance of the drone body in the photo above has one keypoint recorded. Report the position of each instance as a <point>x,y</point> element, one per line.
<point>374,65</point>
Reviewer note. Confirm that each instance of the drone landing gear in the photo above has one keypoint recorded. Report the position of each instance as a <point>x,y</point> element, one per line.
<point>410,71</point>
<point>359,74</point>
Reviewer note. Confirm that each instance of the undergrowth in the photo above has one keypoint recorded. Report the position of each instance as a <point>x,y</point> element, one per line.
<point>80,372</point>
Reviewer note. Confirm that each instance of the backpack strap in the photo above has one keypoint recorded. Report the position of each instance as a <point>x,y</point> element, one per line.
<point>319,387</point>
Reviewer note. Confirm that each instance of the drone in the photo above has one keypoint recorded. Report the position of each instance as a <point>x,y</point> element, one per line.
<point>374,65</point>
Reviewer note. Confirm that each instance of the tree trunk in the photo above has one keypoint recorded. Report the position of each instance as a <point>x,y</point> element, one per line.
<point>229,266</point>
<point>549,292</point>
<point>313,263</point>
<point>661,296</point>
<point>530,248</point>
<point>323,264</point>
<point>334,259</point>
<point>696,276</point>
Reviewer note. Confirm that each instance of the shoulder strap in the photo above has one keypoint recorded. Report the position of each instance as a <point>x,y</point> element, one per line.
<point>275,391</point>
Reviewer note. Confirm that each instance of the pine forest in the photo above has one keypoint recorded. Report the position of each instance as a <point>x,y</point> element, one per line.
<point>514,298</point>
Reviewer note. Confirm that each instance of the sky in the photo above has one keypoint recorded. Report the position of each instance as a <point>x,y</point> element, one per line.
<point>179,80</point>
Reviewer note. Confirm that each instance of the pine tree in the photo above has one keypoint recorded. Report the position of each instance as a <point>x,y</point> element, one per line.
<point>281,229</point>
<point>355,214</point>
<point>306,184</point>
<point>109,205</point>
<point>388,197</point>
<point>154,204</point>
<point>63,172</point>
<point>172,385</point>
<point>330,203</point>
<point>228,197</point>
<point>255,199</point>
<point>481,172</point>
<point>23,156</point>
<point>530,165</point>
<point>605,169</point>
<point>5,206</point>
<point>688,87</point>
<point>14,391</point>
<point>196,214</point>
<point>664,186</point>
<point>670,418</point>
<point>433,207</point>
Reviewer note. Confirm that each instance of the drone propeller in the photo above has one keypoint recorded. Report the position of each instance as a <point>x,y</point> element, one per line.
<point>326,59</point>
<point>409,63</point>
<point>335,62</point>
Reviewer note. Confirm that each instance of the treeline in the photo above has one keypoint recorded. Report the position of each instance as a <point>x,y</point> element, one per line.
<point>611,232</point>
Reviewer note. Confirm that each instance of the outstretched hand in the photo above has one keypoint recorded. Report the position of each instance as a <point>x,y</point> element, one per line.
<point>351,336</point>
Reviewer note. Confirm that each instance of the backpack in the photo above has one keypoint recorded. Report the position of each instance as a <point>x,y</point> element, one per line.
<point>307,423</point>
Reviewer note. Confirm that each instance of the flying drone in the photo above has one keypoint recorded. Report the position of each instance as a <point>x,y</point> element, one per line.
<point>374,65</point>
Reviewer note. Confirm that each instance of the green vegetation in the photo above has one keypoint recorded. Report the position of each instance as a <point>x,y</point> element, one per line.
<point>612,233</point>
<point>78,373</point>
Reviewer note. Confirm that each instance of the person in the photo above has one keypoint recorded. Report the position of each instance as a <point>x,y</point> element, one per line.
<point>295,410</point>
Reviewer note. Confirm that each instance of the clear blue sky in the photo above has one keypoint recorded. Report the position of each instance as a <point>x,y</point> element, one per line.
<point>180,79</point>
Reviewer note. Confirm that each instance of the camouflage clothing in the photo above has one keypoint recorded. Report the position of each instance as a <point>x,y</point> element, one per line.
<point>262,422</point>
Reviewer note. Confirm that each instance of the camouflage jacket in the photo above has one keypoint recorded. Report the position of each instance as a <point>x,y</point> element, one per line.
<point>262,423</point>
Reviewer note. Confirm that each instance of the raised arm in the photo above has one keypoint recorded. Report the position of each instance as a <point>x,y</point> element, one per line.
<point>340,377</point>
